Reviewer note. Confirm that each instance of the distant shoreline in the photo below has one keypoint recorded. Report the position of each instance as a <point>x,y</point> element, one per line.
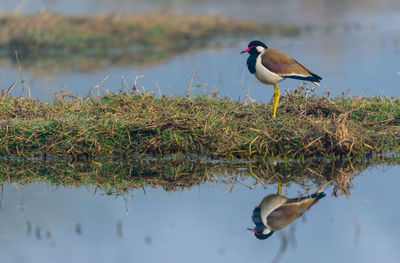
<point>47,35</point>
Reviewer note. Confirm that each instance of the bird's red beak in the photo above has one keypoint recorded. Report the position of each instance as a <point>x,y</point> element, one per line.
<point>253,230</point>
<point>247,50</point>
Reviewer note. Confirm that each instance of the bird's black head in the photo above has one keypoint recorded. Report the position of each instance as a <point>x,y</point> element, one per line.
<point>257,43</point>
<point>262,235</point>
<point>255,47</point>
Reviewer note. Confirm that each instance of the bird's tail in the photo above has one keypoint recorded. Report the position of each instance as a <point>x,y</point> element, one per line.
<point>318,195</point>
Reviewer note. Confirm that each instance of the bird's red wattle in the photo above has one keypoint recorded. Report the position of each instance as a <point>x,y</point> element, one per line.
<point>247,50</point>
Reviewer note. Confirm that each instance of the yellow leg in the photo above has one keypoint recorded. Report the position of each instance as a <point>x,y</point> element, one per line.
<point>276,98</point>
<point>280,188</point>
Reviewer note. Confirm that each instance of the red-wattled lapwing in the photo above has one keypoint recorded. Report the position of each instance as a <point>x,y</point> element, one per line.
<point>271,66</point>
<point>275,212</point>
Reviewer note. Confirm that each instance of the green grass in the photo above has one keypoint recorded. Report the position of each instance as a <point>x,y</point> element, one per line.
<point>139,123</point>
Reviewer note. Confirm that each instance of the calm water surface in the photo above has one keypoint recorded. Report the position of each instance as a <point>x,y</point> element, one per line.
<point>353,45</point>
<point>207,223</point>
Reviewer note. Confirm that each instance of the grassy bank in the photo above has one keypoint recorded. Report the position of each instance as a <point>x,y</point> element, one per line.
<point>138,38</point>
<point>117,176</point>
<point>129,124</point>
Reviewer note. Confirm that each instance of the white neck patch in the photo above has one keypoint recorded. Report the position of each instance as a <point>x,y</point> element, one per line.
<point>260,49</point>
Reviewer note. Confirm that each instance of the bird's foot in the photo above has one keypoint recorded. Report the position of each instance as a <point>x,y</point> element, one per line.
<point>280,188</point>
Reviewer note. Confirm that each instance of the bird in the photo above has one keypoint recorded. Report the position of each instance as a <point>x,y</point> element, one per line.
<point>271,66</point>
<point>275,212</point>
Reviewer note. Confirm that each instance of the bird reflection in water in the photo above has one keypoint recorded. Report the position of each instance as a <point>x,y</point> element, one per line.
<point>276,212</point>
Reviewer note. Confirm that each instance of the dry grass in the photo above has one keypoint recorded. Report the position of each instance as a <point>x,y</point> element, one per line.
<point>139,123</point>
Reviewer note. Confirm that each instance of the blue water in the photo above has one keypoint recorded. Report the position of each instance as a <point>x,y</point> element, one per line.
<point>206,223</point>
<point>353,46</point>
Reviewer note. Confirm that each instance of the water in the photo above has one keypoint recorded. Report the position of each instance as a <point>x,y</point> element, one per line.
<point>292,11</point>
<point>206,223</point>
<point>353,45</point>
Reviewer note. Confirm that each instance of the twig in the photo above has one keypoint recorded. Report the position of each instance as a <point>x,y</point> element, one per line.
<point>97,86</point>
<point>10,89</point>
<point>135,85</point>
<point>21,76</point>
<point>190,86</point>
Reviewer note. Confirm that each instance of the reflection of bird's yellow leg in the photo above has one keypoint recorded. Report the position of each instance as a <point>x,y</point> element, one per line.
<point>276,98</point>
<point>280,188</point>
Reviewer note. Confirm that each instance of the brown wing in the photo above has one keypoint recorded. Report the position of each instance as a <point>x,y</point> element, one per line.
<point>283,65</point>
<point>287,213</point>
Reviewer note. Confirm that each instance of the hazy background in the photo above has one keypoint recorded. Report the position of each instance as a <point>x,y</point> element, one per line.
<point>352,44</point>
